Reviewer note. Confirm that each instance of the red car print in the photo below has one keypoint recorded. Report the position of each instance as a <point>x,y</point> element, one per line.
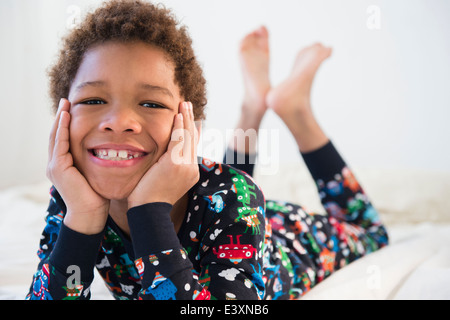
<point>235,251</point>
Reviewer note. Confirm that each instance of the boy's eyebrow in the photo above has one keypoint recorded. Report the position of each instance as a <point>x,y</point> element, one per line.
<point>152,87</point>
<point>90,83</point>
<point>145,86</point>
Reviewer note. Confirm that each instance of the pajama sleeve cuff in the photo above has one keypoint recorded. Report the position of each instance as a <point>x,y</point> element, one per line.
<point>76,249</point>
<point>152,229</point>
<point>324,162</point>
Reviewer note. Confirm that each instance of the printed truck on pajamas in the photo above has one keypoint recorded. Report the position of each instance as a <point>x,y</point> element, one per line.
<point>235,252</point>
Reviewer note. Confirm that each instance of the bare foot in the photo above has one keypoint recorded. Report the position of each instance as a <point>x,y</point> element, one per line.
<point>291,100</point>
<point>293,94</point>
<point>254,57</point>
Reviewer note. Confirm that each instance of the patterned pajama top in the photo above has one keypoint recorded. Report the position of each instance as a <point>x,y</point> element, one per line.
<point>233,244</point>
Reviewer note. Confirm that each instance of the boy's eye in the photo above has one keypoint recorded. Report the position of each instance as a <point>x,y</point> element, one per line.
<point>152,105</point>
<point>93,101</point>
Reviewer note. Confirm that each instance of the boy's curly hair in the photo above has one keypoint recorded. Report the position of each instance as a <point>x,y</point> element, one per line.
<point>127,21</point>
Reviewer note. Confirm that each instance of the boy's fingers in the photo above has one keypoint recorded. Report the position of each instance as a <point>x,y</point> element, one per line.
<point>175,147</point>
<point>183,144</point>
<point>189,125</point>
<point>63,106</point>
<point>62,144</point>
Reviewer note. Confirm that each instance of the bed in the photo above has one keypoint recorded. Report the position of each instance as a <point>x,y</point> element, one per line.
<point>413,204</point>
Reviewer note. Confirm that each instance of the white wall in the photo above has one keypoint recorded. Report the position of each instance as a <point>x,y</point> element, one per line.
<point>383,97</point>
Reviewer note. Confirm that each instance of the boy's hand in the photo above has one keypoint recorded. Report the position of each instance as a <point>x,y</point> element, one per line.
<point>177,170</point>
<point>87,211</point>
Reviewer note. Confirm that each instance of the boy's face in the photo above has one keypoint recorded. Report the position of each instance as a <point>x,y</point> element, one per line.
<point>123,102</point>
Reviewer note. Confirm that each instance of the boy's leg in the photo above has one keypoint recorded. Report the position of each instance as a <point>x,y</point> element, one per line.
<point>340,192</point>
<point>291,100</point>
<point>317,245</point>
<point>352,228</point>
<point>254,57</point>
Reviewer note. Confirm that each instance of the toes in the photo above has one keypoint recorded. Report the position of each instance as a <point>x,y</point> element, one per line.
<point>258,39</point>
<point>317,49</point>
<point>262,32</point>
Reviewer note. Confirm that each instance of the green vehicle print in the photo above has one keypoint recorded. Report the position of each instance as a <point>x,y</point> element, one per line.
<point>243,190</point>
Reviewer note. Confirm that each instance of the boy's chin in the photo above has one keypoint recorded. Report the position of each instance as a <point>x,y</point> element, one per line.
<point>114,192</point>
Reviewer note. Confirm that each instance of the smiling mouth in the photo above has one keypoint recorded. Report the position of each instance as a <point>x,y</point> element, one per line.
<point>116,155</point>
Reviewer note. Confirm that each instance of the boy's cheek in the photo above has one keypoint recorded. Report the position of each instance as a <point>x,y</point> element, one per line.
<point>79,127</point>
<point>75,141</point>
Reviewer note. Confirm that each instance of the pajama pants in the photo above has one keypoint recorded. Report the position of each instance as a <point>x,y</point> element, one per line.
<point>312,246</point>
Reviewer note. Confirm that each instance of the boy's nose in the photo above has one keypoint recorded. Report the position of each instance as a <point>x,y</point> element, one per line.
<point>121,119</point>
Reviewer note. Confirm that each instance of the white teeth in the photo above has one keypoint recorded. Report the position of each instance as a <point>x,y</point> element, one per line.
<point>112,153</point>
<point>123,154</point>
<point>115,155</point>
